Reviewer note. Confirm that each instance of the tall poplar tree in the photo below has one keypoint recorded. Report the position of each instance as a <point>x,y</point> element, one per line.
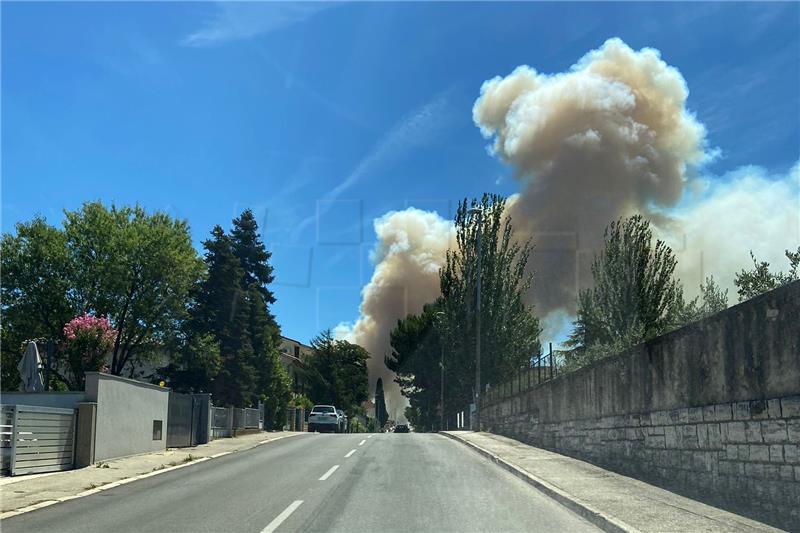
<point>509,329</point>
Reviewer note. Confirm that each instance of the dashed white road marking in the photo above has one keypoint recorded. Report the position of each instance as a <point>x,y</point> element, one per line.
<point>328,474</point>
<point>272,526</point>
<point>369,437</point>
<point>351,452</point>
<point>362,442</point>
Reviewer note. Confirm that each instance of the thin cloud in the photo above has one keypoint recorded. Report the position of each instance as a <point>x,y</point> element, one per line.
<point>416,128</point>
<point>244,20</point>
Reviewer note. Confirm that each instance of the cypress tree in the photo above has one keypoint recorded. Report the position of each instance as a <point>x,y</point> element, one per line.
<point>380,404</point>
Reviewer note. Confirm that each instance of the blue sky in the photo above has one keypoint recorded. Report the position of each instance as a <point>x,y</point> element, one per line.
<point>322,117</point>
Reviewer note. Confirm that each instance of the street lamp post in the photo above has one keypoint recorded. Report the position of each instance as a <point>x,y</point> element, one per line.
<point>478,212</point>
<point>440,319</point>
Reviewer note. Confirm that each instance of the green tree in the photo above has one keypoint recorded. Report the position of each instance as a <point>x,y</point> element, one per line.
<point>509,329</point>
<point>122,263</point>
<point>194,361</point>
<point>253,255</point>
<point>36,292</point>
<point>712,300</point>
<point>338,373</point>
<point>415,360</point>
<point>137,269</point>
<point>223,311</point>
<point>273,382</point>
<point>380,404</point>
<point>634,297</point>
<point>759,279</point>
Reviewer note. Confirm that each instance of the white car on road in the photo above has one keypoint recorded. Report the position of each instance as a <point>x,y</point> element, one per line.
<point>324,418</point>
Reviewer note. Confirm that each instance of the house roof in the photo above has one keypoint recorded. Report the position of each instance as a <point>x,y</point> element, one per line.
<point>296,341</point>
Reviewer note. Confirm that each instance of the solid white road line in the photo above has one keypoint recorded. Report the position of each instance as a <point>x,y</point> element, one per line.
<point>327,474</point>
<point>219,454</point>
<point>362,442</point>
<point>272,526</point>
<point>351,452</point>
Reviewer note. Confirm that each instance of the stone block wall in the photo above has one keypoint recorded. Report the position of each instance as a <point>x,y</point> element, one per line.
<point>729,435</point>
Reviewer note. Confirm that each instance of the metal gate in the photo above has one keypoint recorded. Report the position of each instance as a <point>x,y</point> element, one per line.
<point>37,439</point>
<point>179,420</point>
<point>199,421</point>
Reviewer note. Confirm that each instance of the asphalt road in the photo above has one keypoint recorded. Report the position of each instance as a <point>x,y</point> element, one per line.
<point>386,482</point>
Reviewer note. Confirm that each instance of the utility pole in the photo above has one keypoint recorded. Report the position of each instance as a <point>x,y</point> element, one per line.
<point>440,320</point>
<point>478,212</point>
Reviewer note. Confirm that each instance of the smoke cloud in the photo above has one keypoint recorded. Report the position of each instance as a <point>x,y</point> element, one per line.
<point>410,250</point>
<point>747,209</point>
<point>610,137</point>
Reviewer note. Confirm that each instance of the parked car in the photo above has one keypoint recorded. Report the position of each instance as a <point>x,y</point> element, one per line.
<point>401,428</point>
<point>324,418</point>
<point>342,421</point>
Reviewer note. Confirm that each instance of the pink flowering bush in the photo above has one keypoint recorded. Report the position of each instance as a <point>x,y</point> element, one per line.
<point>88,341</point>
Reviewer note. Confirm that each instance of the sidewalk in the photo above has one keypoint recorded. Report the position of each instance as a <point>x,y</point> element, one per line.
<point>24,493</point>
<point>611,501</point>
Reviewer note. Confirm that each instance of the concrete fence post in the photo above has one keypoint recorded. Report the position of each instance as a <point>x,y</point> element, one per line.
<point>85,434</point>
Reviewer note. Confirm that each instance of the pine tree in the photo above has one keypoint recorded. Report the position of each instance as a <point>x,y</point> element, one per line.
<point>253,255</point>
<point>272,380</point>
<point>273,384</point>
<point>223,312</point>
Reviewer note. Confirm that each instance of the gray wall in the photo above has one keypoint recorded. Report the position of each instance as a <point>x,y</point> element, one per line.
<point>711,410</point>
<point>126,410</point>
<point>64,400</point>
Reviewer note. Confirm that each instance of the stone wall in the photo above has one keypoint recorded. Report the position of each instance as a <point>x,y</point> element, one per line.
<point>711,410</point>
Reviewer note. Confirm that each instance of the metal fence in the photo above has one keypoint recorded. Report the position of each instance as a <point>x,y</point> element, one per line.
<point>543,368</point>
<point>221,423</point>
<point>37,439</point>
<point>238,417</point>
<point>252,418</point>
<point>226,419</point>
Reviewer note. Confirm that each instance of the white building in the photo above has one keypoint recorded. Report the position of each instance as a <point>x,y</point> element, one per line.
<point>294,355</point>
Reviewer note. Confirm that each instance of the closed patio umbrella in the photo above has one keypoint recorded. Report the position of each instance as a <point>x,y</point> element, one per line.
<point>30,370</point>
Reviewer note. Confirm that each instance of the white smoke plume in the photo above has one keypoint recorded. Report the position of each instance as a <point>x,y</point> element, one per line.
<point>411,249</point>
<point>744,210</point>
<point>610,137</point>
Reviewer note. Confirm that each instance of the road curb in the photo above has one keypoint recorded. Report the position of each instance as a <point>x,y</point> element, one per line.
<point>596,517</point>
<point>125,481</point>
